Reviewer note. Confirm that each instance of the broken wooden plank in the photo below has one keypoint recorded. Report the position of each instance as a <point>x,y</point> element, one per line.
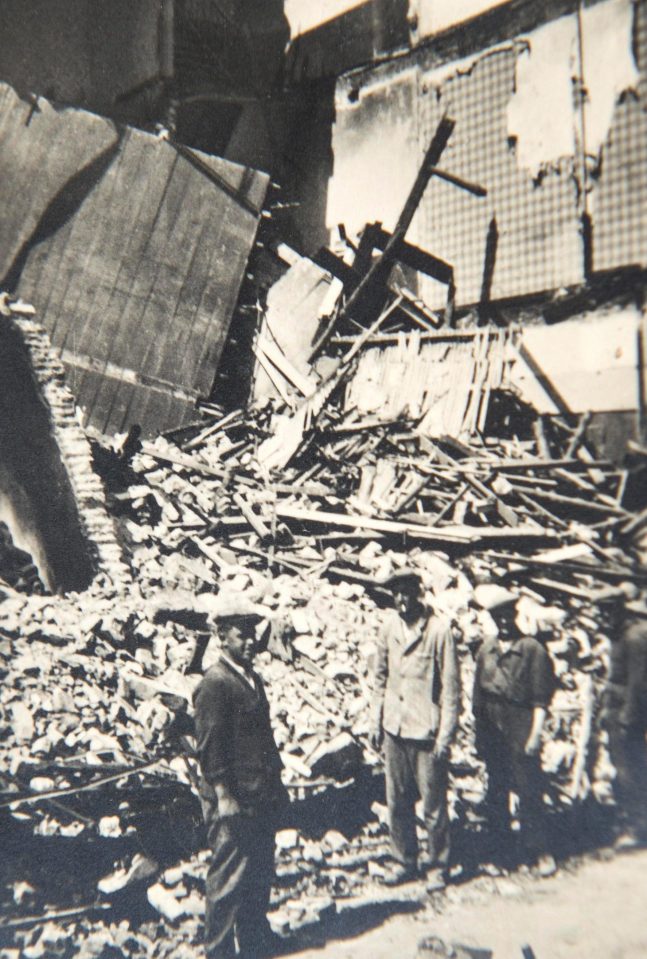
<point>305,384</point>
<point>213,428</point>
<point>55,915</point>
<point>540,437</point>
<point>193,463</point>
<point>574,501</point>
<point>578,569</point>
<point>450,534</point>
<point>254,521</point>
<point>274,376</point>
<point>278,450</point>
<point>635,523</point>
<point>578,435</point>
<point>72,790</point>
<point>368,523</point>
<point>505,512</point>
<point>448,507</point>
<point>414,257</point>
<point>538,508</point>
<point>561,587</point>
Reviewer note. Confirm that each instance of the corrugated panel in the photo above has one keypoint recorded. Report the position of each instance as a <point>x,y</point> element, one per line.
<point>620,196</point>
<point>132,253</point>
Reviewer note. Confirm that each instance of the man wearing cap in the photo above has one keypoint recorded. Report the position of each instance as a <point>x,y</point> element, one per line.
<point>624,715</point>
<point>241,794</point>
<point>415,711</point>
<point>513,686</point>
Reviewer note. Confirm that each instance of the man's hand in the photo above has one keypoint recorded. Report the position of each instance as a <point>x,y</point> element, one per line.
<point>533,743</point>
<point>227,805</point>
<point>376,737</point>
<point>441,751</point>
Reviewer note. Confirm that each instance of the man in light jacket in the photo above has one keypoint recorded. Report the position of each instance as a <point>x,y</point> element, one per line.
<point>417,695</point>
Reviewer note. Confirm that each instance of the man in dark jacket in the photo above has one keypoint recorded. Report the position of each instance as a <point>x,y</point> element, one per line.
<point>513,686</point>
<point>624,715</point>
<point>415,712</point>
<point>241,794</point>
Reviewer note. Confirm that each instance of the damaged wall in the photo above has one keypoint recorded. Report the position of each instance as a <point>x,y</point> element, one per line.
<point>50,498</point>
<point>434,16</point>
<point>111,58</point>
<point>36,499</point>
<point>591,363</point>
<point>328,40</point>
<point>618,181</point>
<point>444,384</point>
<point>520,133</point>
<point>229,49</point>
<point>328,37</point>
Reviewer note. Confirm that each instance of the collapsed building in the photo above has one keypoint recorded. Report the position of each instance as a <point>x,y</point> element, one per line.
<point>426,347</point>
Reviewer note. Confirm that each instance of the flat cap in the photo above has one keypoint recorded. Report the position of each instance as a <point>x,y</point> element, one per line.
<point>490,596</point>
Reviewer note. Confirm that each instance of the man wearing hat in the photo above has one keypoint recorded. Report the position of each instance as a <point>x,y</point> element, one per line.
<point>241,794</point>
<point>624,715</point>
<point>415,711</point>
<point>513,686</point>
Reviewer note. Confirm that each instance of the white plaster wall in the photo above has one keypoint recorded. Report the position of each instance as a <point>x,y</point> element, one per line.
<point>376,155</point>
<point>304,15</point>
<point>432,15</point>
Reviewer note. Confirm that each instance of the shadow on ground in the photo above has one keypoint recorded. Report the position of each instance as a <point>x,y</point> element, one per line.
<point>347,924</point>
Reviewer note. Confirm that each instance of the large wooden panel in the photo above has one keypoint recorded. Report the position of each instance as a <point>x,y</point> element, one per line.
<point>132,252</point>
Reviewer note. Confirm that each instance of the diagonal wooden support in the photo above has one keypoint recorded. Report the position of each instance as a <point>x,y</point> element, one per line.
<point>378,272</point>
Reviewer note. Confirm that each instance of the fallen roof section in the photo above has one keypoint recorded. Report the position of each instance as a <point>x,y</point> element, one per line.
<point>132,249</point>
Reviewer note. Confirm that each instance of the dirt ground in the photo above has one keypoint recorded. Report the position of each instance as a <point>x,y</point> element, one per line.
<point>595,908</point>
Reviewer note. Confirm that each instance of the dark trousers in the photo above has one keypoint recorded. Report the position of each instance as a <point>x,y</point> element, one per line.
<point>628,751</point>
<point>501,746</point>
<point>239,882</point>
<point>412,772</point>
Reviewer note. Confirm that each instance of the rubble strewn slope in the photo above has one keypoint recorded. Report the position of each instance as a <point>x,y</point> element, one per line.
<point>98,806</point>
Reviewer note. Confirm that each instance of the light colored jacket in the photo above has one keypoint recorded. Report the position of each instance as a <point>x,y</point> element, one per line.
<point>417,680</point>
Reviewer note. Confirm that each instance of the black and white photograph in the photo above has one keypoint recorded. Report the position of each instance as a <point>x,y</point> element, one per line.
<point>323,479</point>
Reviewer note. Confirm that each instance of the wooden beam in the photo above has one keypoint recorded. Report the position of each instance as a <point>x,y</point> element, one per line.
<point>415,257</point>
<point>450,534</point>
<point>380,267</point>
<point>577,569</point>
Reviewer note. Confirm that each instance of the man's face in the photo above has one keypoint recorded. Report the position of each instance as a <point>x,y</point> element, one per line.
<point>505,620</point>
<point>405,599</point>
<point>240,644</point>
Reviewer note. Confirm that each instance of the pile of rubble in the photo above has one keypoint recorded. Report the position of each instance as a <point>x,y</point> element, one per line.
<point>100,683</point>
<point>300,507</point>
